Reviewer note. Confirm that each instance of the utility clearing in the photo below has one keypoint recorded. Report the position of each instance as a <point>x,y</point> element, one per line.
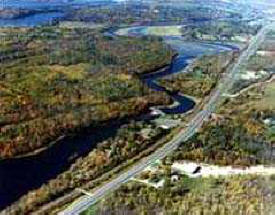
<point>194,170</point>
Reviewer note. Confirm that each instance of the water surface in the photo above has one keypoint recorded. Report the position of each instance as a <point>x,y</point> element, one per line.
<point>18,176</point>
<point>187,52</point>
<point>32,20</point>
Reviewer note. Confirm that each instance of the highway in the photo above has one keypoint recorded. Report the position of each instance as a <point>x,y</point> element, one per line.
<point>224,85</point>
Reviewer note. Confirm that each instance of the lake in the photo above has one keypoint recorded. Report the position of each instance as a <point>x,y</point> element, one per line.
<point>32,20</point>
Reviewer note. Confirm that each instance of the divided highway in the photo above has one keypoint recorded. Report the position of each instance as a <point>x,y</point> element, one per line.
<point>225,84</point>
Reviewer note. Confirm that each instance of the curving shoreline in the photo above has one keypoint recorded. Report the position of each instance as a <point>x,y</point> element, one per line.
<point>187,53</point>
<point>48,162</point>
<point>60,154</point>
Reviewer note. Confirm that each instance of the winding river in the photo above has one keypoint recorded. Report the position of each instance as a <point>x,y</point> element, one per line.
<point>18,176</point>
<point>187,52</point>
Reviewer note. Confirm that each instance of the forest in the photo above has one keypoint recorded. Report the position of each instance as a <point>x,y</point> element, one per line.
<point>202,77</point>
<point>231,195</point>
<point>56,81</point>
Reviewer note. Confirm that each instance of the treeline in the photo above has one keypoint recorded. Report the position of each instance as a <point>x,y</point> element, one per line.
<point>236,135</point>
<point>73,84</point>
<point>231,195</point>
<point>227,143</point>
<point>203,77</point>
<point>129,142</point>
<point>221,30</point>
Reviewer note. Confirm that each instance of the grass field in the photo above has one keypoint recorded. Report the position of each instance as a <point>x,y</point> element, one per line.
<point>164,30</point>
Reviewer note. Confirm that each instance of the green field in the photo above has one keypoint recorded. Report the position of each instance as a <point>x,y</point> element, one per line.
<point>164,30</point>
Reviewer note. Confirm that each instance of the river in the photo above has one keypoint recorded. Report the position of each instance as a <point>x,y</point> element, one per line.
<point>18,176</point>
<point>187,52</point>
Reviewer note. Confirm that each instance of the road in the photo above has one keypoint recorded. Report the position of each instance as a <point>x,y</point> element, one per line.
<point>224,85</point>
<point>250,87</point>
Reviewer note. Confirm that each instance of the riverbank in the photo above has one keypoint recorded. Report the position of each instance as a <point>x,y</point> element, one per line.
<point>68,102</point>
<point>85,84</point>
<point>78,133</point>
<point>76,156</point>
<point>134,116</point>
<point>95,175</point>
<point>53,98</point>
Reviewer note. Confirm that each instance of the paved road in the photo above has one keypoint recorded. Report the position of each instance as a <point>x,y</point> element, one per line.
<point>225,84</point>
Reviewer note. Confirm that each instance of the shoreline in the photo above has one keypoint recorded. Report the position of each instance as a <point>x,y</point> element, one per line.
<point>80,130</point>
<point>157,69</point>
